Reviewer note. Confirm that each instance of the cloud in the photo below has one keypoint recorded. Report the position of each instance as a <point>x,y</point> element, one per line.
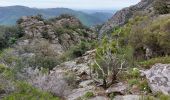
<point>75,4</point>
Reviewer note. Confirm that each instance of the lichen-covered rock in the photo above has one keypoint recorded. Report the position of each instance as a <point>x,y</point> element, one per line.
<point>159,78</point>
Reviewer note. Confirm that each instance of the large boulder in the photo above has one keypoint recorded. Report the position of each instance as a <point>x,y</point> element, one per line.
<point>159,78</point>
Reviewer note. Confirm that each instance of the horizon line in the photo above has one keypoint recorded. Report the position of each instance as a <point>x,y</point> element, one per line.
<point>100,9</point>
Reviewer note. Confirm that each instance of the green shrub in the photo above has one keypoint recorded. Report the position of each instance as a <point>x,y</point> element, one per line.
<point>44,62</point>
<point>27,92</point>
<point>149,63</point>
<point>2,68</point>
<point>44,55</point>
<point>134,73</point>
<point>8,57</point>
<point>88,95</point>
<point>132,82</point>
<point>70,78</point>
<point>164,97</point>
<point>9,35</point>
<point>144,86</point>
<point>78,50</point>
<point>147,97</point>
<point>112,96</point>
<point>149,34</point>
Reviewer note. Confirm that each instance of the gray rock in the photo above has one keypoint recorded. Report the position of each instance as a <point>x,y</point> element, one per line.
<point>100,98</point>
<point>118,88</point>
<point>76,93</point>
<point>127,97</point>
<point>159,78</point>
<point>86,83</point>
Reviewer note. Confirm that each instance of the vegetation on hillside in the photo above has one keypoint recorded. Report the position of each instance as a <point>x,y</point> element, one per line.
<point>9,35</point>
<point>119,56</point>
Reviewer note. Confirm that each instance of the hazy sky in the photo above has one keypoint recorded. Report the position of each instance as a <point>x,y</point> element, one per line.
<point>74,4</point>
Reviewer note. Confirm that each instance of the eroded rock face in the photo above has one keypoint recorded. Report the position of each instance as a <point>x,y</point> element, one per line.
<point>159,78</point>
<point>122,16</point>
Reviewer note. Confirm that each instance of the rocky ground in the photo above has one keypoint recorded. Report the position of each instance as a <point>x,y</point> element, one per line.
<point>157,78</point>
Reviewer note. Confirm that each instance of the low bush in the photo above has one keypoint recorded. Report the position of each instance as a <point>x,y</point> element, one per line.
<point>27,92</point>
<point>86,96</point>
<point>70,78</point>
<point>89,95</point>
<point>111,58</point>
<point>9,35</point>
<point>149,38</point>
<point>78,50</point>
<point>149,63</point>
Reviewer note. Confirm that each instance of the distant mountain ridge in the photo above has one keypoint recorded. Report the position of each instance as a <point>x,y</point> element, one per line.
<point>9,15</point>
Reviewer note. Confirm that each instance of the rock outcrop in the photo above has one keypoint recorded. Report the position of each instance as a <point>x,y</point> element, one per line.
<point>61,32</point>
<point>159,78</point>
<point>122,16</point>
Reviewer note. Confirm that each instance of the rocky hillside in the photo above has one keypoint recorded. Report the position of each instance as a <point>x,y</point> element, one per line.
<point>121,17</point>
<point>61,32</point>
<point>60,59</point>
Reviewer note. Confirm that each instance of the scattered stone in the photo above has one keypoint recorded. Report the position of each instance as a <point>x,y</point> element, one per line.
<point>86,83</point>
<point>117,88</point>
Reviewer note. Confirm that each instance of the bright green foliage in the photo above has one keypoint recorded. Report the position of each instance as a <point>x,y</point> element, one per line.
<point>134,73</point>
<point>27,92</point>
<point>89,95</point>
<point>86,96</point>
